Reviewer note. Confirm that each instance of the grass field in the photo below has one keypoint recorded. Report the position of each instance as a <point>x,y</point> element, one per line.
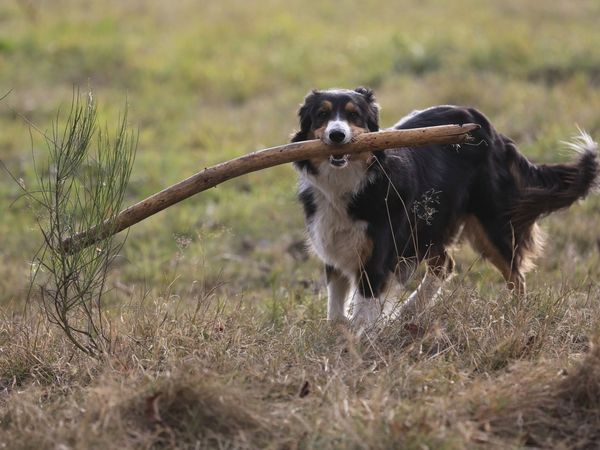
<point>217,314</point>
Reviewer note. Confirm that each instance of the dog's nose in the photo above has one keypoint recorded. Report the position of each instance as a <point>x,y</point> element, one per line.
<point>337,136</point>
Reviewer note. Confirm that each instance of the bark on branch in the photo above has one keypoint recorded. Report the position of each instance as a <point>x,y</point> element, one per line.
<point>262,159</point>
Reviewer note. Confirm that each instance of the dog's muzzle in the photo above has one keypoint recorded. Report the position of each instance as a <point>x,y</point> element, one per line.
<point>338,133</point>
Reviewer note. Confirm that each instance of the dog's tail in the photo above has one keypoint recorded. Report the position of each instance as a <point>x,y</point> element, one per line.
<point>546,188</point>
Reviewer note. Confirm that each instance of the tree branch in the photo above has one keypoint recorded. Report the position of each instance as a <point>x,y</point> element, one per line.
<point>262,159</point>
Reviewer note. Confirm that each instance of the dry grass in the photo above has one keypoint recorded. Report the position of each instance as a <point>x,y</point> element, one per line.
<point>473,372</point>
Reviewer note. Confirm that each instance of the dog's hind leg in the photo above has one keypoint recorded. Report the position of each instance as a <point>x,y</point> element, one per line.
<point>439,268</point>
<point>509,251</point>
<point>338,287</point>
<point>516,283</point>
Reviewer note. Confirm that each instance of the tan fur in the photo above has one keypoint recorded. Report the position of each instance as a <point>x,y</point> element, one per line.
<point>512,271</point>
<point>531,248</point>
<point>326,105</point>
<point>351,107</point>
<point>365,252</point>
<point>477,237</point>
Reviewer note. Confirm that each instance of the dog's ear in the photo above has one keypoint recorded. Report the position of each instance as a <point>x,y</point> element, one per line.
<point>366,93</point>
<point>373,111</point>
<point>304,116</point>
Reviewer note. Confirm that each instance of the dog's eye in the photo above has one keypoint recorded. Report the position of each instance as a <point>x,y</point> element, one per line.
<point>323,114</point>
<point>352,115</point>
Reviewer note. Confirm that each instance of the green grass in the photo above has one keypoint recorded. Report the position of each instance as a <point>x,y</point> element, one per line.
<point>213,306</point>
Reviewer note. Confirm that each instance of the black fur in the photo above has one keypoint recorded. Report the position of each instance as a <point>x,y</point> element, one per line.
<point>308,203</point>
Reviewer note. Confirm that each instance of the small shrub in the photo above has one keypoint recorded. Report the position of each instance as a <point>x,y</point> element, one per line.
<point>77,189</point>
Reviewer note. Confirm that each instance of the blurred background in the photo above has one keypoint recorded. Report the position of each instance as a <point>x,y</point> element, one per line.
<point>207,81</point>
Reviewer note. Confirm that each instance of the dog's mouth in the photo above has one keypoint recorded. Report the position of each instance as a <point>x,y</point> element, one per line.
<point>339,161</point>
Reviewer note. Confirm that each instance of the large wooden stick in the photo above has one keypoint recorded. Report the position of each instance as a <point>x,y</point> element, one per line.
<point>212,176</point>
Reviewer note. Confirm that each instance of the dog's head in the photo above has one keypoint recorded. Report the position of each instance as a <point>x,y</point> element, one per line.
<point>337,116</point>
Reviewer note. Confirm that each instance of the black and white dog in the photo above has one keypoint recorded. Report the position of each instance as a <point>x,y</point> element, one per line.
<point>373,217</point>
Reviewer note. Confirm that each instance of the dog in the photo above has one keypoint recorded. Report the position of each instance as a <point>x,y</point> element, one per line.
<point>373,217</point>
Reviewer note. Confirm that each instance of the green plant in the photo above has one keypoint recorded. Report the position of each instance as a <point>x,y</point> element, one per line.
<point>82,185</point>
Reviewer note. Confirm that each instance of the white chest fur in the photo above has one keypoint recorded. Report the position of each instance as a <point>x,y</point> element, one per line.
<point>335,237</point>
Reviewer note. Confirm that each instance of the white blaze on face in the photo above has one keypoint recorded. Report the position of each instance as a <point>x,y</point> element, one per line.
<point>337,132</point>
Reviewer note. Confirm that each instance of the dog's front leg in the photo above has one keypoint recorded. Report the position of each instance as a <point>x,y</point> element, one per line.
<point>338,287</point>
<point>366,310</point>
<point>371,281</point>
<point>367,300</point>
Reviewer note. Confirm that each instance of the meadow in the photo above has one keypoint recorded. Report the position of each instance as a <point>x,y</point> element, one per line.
<point>216,310</point>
